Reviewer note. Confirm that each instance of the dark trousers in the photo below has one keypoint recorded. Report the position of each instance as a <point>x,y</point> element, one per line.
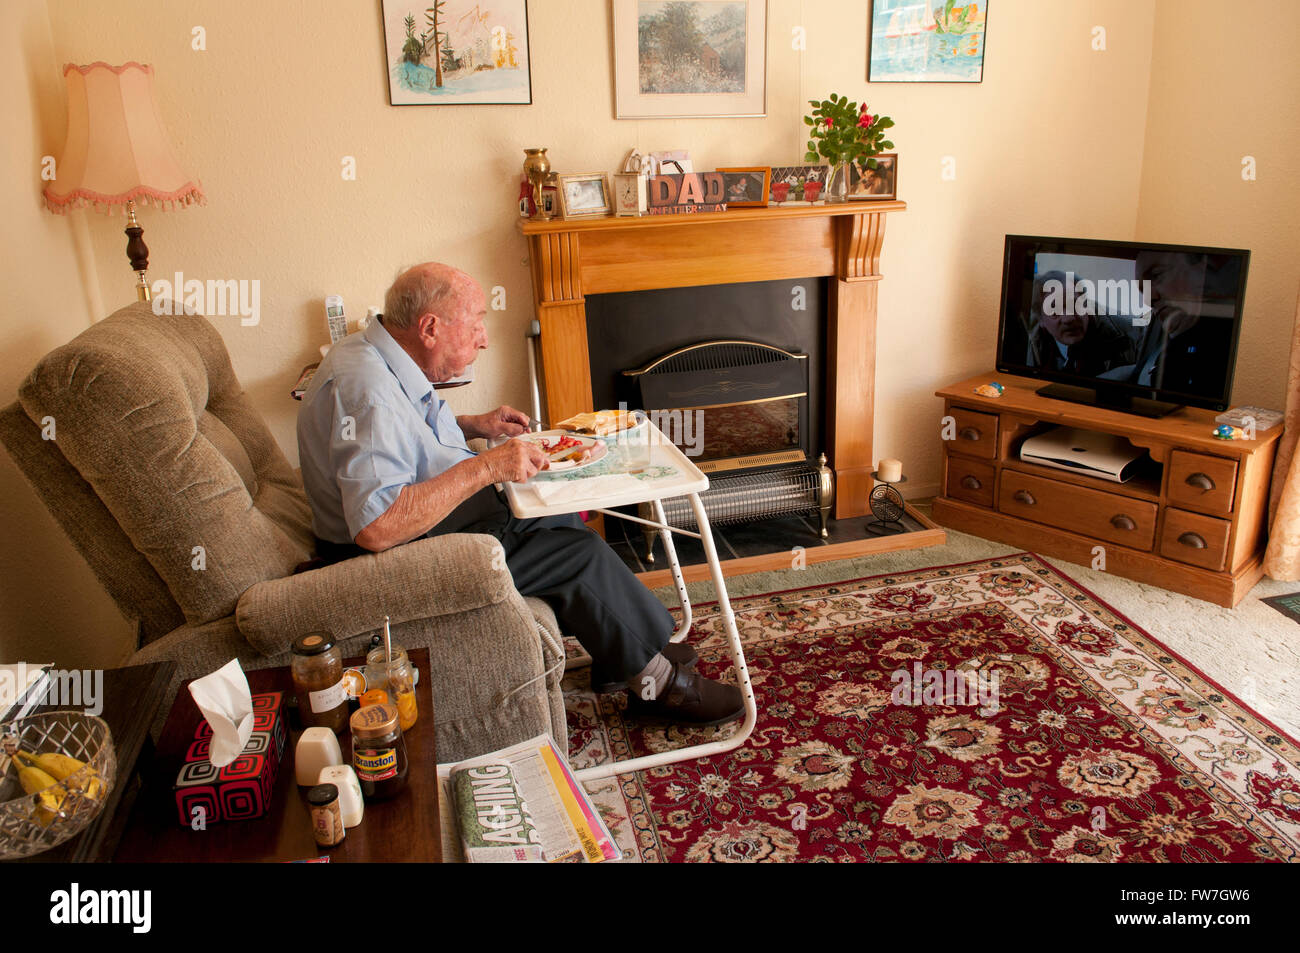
<point>595,597</point>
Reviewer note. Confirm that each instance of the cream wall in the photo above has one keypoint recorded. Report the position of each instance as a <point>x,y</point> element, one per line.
<point>1052,142</point>
<point>1213,104</point>
<point>51,606</point>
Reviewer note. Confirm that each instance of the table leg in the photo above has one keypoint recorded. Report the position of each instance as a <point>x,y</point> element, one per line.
<point>666,534</point>
<point>737,657</point>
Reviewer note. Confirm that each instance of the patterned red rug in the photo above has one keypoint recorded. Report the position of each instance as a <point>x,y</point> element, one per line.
<point>993,711</point>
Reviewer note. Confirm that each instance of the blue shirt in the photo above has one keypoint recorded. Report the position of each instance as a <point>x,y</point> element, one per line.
<point>370,424</point>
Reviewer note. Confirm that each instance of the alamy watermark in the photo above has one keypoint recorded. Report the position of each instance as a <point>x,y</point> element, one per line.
<point>946,687</point>
<point>228,297</point>
<point>1083,296</point>
<point>67,688</point>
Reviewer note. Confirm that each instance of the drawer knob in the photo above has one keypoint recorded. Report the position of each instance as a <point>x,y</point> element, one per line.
<point>970,483</point>
<point>970,433</point>
<point>1025,497</point>
<point>1120,521</point>
<point>1193,540</point>
<point>1201,481</point>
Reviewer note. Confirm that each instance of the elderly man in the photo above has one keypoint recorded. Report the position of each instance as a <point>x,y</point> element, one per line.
<point>385,461</point>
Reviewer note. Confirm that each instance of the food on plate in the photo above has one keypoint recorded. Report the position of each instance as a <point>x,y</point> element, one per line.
<point>601,423</point>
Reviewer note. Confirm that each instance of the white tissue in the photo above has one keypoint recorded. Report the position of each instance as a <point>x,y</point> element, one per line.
<point>227,704</point>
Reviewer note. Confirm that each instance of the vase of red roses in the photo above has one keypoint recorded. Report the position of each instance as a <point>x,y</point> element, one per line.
<point>845,134</point>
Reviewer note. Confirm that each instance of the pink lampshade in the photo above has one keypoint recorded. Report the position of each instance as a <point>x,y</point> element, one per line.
<point>117,147</point>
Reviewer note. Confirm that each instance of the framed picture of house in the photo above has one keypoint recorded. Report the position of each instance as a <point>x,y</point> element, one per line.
<point>449,52</point>
<point>936,41</point>
<point>691,58</point>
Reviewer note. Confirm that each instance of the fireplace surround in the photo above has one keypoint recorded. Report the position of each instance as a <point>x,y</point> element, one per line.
<point>571,259</point>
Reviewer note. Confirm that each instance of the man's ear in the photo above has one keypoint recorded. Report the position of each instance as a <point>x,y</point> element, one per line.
<point>427,326</point>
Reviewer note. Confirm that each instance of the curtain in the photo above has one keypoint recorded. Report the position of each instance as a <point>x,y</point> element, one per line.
<point>1282,558</point>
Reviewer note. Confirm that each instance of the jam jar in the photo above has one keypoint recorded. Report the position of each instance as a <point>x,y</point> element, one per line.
<point>317,671</point>
<point>398,677</point>
<point>378,751</point>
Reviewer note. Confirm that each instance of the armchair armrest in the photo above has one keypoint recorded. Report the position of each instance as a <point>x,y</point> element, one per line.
<point>422,579</point>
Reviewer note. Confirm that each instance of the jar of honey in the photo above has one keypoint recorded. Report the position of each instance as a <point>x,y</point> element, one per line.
<point>317,671</point>
<point>398,677</point>
<point>378,751</point>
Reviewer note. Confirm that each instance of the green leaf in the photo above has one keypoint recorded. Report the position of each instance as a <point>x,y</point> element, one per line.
<point>808,121</point>
<point>810,157</point>
<point>887,145</point>
<point>884,123</point>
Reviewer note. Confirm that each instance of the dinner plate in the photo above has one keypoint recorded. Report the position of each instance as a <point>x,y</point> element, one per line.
<point>597,446</point>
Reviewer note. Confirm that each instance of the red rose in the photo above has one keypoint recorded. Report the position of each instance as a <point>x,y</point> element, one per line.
<point>865,121</point>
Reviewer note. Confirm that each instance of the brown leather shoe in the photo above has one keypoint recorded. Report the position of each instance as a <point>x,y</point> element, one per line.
<point>675,652</point>
<point>692,698</point>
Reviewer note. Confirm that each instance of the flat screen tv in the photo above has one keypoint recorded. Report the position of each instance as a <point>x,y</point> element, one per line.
<point>1134,326</point>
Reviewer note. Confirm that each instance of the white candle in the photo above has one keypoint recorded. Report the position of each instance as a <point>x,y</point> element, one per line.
<point>889,471</point>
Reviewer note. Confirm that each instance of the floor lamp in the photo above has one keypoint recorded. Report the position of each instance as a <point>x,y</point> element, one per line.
<point>118,153</point>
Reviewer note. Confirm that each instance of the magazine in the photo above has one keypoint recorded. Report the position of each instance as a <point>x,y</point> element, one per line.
<point>520,805</point>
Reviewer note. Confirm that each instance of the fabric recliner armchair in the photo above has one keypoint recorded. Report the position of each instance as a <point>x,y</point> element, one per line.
<point>171,486</point>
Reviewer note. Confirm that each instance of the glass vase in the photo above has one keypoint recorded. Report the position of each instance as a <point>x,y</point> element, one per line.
<point>837,188</point>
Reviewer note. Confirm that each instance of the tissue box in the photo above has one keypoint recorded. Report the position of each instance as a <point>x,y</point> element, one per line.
<point>242,789</point>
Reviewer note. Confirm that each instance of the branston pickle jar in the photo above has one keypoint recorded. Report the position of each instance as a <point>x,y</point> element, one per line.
<point>378,751</point>
<point>317,670</point>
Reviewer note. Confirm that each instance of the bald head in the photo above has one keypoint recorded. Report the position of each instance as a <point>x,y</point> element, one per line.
<point>435,312</point>
<point>421,289</point>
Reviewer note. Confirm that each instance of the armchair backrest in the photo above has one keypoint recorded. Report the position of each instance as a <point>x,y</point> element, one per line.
<point>148,418</point>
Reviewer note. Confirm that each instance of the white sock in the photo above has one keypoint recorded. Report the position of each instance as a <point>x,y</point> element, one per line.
<point>650,682</point>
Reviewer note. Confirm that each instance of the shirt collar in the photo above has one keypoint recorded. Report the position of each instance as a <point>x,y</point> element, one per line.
<point>408,373</point>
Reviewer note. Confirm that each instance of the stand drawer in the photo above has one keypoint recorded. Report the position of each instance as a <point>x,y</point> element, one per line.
<point>970,480</point>
<point>977,434</point>
<point>1201,482</point>
<point>1104,516</point>
<point>1195,539</point>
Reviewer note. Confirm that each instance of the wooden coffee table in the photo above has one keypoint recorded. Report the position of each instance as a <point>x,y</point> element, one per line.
<point>403,828</point>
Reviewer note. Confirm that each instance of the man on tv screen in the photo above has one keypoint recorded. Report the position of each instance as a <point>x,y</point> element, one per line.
<point>1063,339</point>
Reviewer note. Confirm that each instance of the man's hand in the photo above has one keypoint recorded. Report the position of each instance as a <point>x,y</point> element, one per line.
<point>502,422</point>
<point>514,461</point>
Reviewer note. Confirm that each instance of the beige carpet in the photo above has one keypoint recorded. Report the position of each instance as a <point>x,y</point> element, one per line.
<point>1253,650</point>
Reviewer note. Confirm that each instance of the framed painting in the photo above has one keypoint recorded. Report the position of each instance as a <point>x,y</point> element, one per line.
<point>456,52</point>
<point>878,183</point>
<point>934,41</point>
<point>690,58</point>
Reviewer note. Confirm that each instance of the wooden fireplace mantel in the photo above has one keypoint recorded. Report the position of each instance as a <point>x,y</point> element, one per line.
<point>573,258</point>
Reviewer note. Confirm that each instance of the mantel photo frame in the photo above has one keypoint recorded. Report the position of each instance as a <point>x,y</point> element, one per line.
<point>690,59</point>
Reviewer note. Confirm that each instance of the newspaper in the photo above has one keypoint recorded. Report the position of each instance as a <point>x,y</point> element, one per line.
<point>520,804</point>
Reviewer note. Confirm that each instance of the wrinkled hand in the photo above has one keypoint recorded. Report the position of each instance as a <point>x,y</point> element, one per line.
<point>514,461</point>
<point>502,422</point>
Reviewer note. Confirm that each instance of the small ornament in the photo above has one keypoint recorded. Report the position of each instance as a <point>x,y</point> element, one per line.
<point>1228,432</point>
<point>991,389</point>
<point>886,505</point>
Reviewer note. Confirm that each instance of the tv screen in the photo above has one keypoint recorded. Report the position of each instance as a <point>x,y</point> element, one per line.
<point>1126,320</point>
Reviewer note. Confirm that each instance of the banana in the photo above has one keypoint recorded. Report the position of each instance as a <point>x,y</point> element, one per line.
<point>61,767</point>
<point>50,794</point>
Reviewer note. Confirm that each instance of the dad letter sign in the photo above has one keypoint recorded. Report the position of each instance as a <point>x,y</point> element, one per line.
<point>686,192</point>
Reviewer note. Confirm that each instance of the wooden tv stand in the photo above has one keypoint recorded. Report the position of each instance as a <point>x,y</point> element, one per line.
<point>1193,520</point>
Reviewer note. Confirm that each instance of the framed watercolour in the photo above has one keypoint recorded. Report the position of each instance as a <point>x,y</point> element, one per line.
<point>878,183</point>
<point>447,52</point>
<point>746,187</point>
<point>584,196</point>
<point>915,43</point>
<point>798,184</point>
<point>691,58</point>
